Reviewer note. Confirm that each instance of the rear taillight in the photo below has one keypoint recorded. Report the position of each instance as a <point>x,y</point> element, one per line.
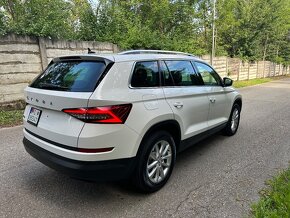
<point>107,114</point>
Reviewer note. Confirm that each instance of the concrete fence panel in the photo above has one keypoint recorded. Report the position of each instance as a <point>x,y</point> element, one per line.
<point>260,69</point>
<point>233,68</point>
<point>253,70</point>
<point>22,58</point>
<point>220,65</point>
<point>267,69</point>
<point>244,71</point>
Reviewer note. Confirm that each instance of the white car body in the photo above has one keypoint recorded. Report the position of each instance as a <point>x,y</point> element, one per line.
<point>196,109</point>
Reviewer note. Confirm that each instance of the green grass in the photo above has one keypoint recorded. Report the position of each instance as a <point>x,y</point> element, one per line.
<point>244,83</point>
<point>275,200</point>
<point>10,118</point>
<point>252,82</point>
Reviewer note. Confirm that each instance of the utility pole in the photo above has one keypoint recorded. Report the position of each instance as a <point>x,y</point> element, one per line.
<point>213,35</point>
<point>264,55</point>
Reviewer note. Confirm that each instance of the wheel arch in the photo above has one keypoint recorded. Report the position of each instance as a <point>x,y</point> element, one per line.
<point>238,101</point>
<point>171,126</point>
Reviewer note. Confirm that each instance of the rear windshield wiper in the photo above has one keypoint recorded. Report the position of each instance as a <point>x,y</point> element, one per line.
<point>52,86</point>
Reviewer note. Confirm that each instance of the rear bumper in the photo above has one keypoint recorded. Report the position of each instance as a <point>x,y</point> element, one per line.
<point>89,170</point>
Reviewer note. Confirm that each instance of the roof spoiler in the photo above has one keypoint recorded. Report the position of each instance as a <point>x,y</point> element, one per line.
<point>84,58</point>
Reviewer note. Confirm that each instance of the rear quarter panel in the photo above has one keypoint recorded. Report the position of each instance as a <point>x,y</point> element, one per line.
<point>149,104</point>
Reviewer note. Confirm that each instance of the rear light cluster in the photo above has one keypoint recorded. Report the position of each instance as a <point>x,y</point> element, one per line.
<point>107,114</point>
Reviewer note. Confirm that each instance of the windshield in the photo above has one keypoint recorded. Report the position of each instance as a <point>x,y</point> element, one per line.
<point>71,76</point>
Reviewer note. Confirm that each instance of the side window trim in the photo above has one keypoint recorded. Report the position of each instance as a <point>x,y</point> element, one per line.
<point>169,75</point>
<point>219,80</point>
<point>196,72</point>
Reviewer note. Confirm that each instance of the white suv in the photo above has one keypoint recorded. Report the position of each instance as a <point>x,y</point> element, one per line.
<point>126,115</point>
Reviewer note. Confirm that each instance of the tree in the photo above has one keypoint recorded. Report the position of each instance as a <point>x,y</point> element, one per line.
<point>251,29</point>
<point>39,17</point>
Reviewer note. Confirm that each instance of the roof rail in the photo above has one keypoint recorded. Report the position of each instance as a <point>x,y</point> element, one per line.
<point>155,52</point>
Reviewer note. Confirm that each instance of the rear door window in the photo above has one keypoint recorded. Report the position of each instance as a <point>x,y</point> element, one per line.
<point>145,74</point>
<point>70,76</point>
<point>182,74</point>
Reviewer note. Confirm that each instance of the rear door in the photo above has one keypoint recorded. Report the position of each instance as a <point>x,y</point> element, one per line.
<point>186,96</point>
<point>64,84</point>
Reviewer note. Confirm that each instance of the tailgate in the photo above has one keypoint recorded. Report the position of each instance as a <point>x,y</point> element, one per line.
<point>54,125</point>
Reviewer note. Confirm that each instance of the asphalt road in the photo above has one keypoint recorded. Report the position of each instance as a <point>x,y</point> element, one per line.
<point>219,177</point>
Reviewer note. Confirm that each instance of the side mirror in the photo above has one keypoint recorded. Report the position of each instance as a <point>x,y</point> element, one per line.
<point>227,81</point>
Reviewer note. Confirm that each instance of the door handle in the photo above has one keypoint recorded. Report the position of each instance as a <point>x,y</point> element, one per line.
<point>178,104</point>
<point>212,100</point>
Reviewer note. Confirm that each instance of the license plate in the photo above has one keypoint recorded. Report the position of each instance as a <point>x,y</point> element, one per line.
<point>34,116</point>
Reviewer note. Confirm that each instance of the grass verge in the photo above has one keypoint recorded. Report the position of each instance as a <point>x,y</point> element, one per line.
<point>10,118</point>
<point>252,82</point>
<point>275,199</point>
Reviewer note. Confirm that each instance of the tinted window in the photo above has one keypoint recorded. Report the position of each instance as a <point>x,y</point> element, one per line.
<point>182,73</point>
<point>208,75</point>
<point>73,76</point>
<point>145,74</point>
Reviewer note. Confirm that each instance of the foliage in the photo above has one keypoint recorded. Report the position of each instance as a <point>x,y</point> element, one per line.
<point>275,201</point>
<point>248,27</point>
<point>38,17</point>
<point>251,29</point>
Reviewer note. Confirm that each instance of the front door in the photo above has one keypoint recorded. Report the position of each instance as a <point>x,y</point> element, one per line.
<point>218,95</point>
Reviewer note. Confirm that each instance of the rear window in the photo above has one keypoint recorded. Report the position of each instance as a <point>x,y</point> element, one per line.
<point>71,76</point>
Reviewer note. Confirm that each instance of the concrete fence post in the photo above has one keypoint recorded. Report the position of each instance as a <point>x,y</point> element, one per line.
<point>238,76</point>
<point>263,69</point>
<point>257,70</point>
<point>43,54</point>
<point>227,65</point>
<point>248,70</point>
<point>115,48</point>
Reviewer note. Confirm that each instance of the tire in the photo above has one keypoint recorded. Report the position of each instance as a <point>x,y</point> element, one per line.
<point>233,122</point>
<point>150,160</point>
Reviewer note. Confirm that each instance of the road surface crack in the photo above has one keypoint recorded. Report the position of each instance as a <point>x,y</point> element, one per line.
<point>187,197</point>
